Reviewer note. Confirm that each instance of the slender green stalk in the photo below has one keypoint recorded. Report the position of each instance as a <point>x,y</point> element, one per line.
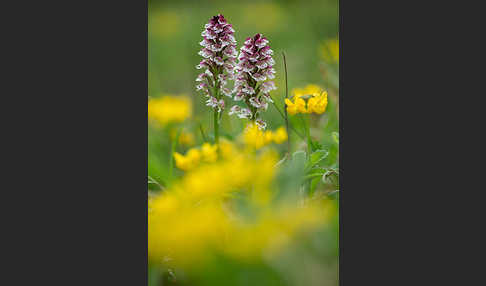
<point>313,176</point>
<point>153,181</point>
<point>216,128</point>
<point>285,109</point>
<point>216,115</point>
<point>284,114</point>
<point>283,117</point>
<point>309,139</point>
<point>202,133</point>
<point>173,145</point>
<point>307,132</point>
<point>306,121</point>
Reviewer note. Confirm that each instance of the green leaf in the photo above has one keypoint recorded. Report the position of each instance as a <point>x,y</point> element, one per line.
<point>335,137</point>
<point>282,161</point>
<point>334,195</point>
<point>316,157</point>
<point>289,177</point>
<point>313,185</point>
<point>299,158</point>
<point>315,145</point>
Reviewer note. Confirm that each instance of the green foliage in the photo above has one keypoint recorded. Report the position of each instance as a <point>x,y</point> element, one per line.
<point>315,158</point>
<point>335,137</point>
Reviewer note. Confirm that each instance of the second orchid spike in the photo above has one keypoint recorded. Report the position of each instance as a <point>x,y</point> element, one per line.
<point>255,66</point>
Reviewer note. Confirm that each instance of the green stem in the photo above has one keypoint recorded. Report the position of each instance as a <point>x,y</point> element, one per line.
<point>284,106</point>
<point>309,142</point>
<point>283,117</point>
<point>202,133</point>
<point>313,176</point>
<point>216,128</point>
<point>307,133</point>
<point>216,114</point>
<point>173,145</point>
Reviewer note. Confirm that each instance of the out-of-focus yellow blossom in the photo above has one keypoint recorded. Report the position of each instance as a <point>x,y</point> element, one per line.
<point>314,95</point>
<point>206,153</point>
<point>196,217</point>
<point>253,136</point>
<point>191,220</point>
<point>181,231</point>
<point>330,50</point>
<point>167,109</point>
<point>267,137</point>
<point>309,89</point>
<point>209,152</point>
<point>256,138</point>
<point>226,148</point>
<point>185,138</point>
<point>276,228</point>
<point>221,178</point>
<point>189,161</point>
<point>280,135</point>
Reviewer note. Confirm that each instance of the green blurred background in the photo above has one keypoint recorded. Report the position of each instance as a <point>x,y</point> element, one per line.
<point>299,28</point>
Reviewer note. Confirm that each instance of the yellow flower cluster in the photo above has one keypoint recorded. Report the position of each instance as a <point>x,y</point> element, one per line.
<point>219,178</point>
<point>330,50</point>
<point>256,138</point>
<point>276,228</point>
<point>185,138</point>
<point>198,216</point>
<point>314,95</point>
<point>207,153</point>
<point>167,109</point>
<point>180,231</point>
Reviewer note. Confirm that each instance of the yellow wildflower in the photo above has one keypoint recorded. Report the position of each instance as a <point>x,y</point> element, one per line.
<point>181,231</point>
<point>185,138</point>
<point>227,149</point>
<point>206,153</point>
<point>253,136</point>
<point>298,106</point>
<point>228,175</point>
<point>318,104</point>
<point>280,135</point>
<point>308,90</point>
<point>189,161</point>
<point>167,109</point>
<point>267,137</point>
<point>209,152</point>
<point>196,217</point>
<point>256,138</point>
<point>314,95</point>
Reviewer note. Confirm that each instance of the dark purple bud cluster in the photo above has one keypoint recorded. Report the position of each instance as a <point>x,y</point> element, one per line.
<point>255,66</point>
<point>219,53</point>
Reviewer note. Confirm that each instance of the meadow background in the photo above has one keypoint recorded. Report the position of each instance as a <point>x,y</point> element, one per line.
<point>303,30</point>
